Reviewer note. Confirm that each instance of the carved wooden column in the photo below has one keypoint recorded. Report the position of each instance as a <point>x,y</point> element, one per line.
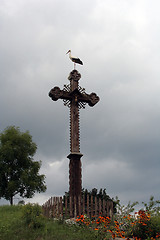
<point>75,98</point>
<point>75,175</point>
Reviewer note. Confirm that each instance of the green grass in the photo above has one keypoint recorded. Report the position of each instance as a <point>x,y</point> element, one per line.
<point>13,227</point>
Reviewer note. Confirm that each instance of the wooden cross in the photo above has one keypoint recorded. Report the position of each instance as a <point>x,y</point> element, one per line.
<point>75,98</point>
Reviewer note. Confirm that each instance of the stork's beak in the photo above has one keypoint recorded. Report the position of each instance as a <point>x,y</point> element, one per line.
<point>68,51</point>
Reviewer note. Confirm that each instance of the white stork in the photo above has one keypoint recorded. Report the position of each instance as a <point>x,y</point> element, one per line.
<point>74,59</point>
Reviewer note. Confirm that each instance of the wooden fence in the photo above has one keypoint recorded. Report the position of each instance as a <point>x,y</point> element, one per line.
<point>71,207</point>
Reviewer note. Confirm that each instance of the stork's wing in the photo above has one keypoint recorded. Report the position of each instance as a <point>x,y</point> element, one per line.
<point>77,60</point>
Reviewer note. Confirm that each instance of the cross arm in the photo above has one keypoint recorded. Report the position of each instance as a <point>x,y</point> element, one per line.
<point>56,93</point>
<point>91,99</point>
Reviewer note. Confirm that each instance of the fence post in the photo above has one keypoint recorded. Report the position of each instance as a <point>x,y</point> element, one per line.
<point>88,205</point>
<point>54,207</point>
<point>96,207</point>
<point>91,206</point>
<point>79,205</point>
<point>110,208</point>
<point>66,206</point>
<point>104,207</point>
<point>70,207</point>
<point>51,207</point>
<point>61,207</point>
<point>100,207</point>
<point>84,205</point>
<point>58,207</point>
<point>47,210</point>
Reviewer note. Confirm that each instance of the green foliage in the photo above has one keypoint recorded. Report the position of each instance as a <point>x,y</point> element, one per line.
<point>94,192</point>
<point>124,214</point>
<point>101,194</point>
<point>142,227</point>
<point>152,207</point>
<point>32,216</point>
<point>13,226</point>
<point>148,225</point>
<point>10,217</point>
<point>155,225</point>
<point>27,223</point>
<point>19,174</point>
<point>123,210</point>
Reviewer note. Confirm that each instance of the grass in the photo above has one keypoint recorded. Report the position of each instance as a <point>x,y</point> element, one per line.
<point>9,217</point>
<point>28,223</point>
<point>12,226</point>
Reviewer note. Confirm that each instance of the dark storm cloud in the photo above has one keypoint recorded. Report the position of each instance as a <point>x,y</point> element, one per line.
<point>118,41</point>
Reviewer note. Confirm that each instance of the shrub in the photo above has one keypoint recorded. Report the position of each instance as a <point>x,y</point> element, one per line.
<point>146,226</point>
<point>155,226</point>
<point>32,216</point>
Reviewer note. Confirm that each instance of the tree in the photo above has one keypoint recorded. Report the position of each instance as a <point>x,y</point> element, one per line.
<point>152,207</point>
<point>19,173</point>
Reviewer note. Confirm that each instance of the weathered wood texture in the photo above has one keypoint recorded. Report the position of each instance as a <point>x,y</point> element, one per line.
<point>75,98</point>
<point>57,207</point>
<point>75,175</point>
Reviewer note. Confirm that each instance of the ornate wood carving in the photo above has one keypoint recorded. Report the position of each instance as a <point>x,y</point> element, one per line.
<point>75,98</point>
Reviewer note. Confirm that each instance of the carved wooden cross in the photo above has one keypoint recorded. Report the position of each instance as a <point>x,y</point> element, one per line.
<point>75,98</point>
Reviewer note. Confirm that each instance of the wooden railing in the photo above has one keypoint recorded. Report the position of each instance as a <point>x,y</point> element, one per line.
<point>70,207</point>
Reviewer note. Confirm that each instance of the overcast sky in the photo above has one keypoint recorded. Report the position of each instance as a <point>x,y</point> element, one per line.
<point>119,43</point>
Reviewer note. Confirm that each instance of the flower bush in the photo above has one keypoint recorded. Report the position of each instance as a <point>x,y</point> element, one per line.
<point>146,226</point>
<point>32,216</point>
<point>138,228</point>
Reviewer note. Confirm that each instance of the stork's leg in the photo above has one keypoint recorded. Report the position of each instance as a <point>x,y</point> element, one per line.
<point>74,65</point>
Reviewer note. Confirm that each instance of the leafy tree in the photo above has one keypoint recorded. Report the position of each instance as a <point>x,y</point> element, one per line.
<point>152,207</point>
<point>19,174</point>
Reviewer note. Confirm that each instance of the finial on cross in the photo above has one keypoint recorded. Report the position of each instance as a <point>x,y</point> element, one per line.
<point>75,98</point>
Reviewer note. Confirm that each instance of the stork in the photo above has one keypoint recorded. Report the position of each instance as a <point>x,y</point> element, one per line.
<point>74,59</point>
